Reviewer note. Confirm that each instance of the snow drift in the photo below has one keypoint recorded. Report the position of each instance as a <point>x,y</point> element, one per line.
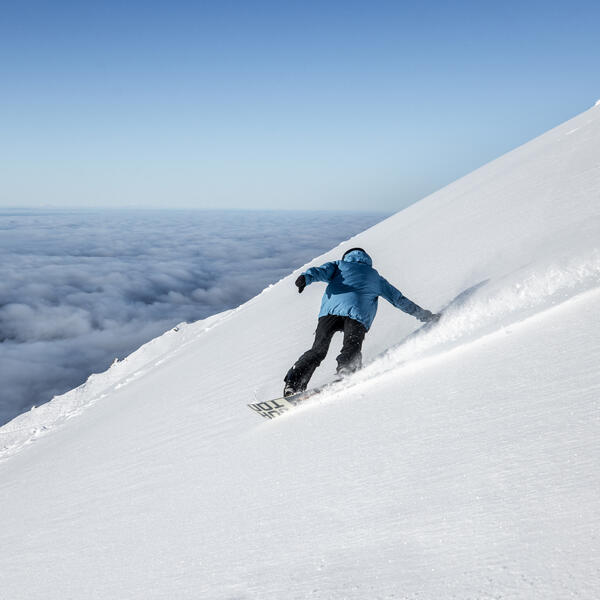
<point>462,462</point>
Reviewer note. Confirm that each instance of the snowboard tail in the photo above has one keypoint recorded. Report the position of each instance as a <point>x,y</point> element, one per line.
<point>269,409</point>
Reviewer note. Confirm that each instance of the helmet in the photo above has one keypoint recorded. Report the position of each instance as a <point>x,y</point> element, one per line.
<point>352,250</point>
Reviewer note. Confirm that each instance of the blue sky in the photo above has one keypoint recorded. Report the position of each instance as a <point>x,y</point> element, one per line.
<point>337,105</point>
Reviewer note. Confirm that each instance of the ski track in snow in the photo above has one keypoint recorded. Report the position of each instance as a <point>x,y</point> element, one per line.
<point>491,309</point>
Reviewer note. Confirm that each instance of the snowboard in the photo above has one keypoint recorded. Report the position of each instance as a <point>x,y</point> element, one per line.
<point>269,409</point>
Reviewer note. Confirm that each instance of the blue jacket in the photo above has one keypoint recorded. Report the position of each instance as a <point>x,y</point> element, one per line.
<point>354,287</point>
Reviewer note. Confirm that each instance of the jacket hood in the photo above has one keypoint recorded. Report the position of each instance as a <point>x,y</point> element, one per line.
<point>358,256</point>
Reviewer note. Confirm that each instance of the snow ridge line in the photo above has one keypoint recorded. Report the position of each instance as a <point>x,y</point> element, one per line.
<point>28,427</point>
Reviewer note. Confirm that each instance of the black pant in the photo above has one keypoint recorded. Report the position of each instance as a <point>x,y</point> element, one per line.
<point>348,360</point>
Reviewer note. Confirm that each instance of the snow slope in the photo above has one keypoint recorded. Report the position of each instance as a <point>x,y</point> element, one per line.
<point>462,462</point>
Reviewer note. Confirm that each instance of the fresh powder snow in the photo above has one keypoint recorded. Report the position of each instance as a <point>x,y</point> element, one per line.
<point>461,462</point>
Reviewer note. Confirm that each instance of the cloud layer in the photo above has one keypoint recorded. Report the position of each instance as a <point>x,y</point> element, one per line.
<point>78,289</point>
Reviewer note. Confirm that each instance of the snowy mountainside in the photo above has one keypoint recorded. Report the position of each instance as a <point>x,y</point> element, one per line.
<point>460,463</point>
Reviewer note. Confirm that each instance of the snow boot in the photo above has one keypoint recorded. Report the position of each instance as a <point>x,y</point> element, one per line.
<point>289,390</point>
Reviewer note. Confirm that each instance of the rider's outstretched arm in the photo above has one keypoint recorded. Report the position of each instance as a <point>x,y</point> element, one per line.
<point>395,297</point>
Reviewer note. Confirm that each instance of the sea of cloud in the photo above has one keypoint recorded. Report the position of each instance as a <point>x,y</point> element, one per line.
<point>80,288</point>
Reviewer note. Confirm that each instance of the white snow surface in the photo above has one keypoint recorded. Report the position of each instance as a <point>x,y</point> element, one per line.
<point>461,462</point>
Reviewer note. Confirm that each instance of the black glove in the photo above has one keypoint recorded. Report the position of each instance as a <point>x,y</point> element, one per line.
<point>428,317</point>
<point>301,283</point>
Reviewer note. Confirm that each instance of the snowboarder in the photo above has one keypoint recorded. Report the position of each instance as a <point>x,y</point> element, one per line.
<point>349,304</point>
